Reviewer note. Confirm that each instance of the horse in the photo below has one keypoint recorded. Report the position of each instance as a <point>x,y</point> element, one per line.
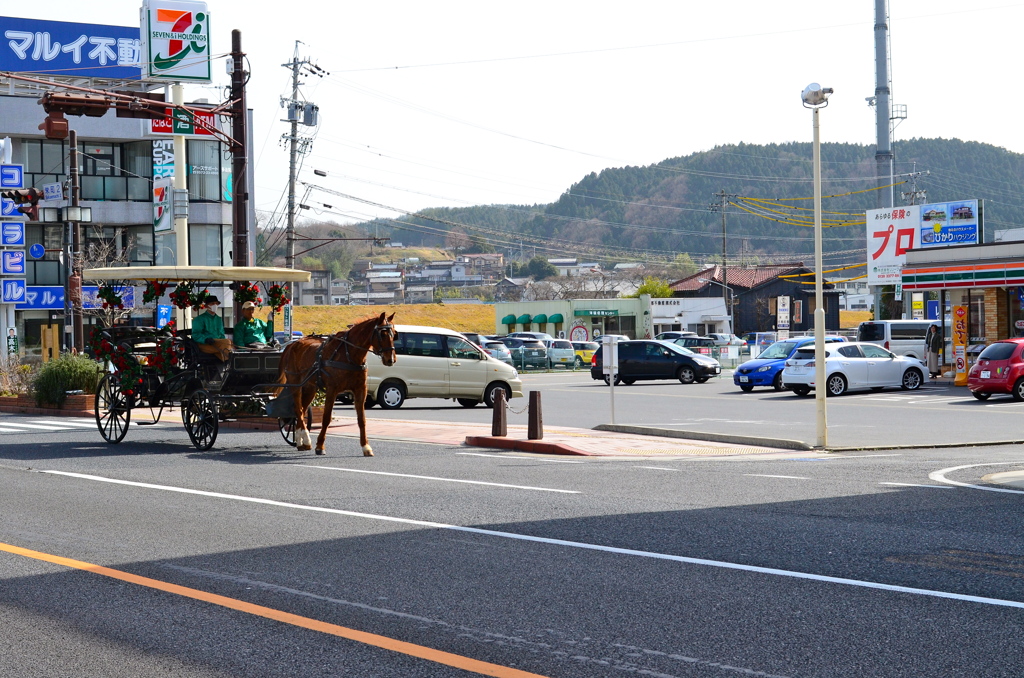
<point>338,364</point>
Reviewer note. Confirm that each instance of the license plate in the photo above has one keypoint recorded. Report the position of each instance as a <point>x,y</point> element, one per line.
<point>718,370</point>
<point>744,380</point>
<point>564,360</point>
<point>986,374</point>
<point>798,370</point>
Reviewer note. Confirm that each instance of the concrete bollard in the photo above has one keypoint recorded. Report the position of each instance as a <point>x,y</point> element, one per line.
<point>499,417</point>
<point>536,425</point>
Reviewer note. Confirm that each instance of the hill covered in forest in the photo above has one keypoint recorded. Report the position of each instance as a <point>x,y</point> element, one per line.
<point>659,211</point>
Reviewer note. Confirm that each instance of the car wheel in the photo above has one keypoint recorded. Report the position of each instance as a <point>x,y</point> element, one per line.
<point>1018,390</point>
<point>578,363</point>
<point>685,374</point>
<point>981,395</point>
<point>391,395</point>
<point>746,388</point>
<point>801,390</point>
<point>468,402</point>
<point>492,389</point>
<point>701,380</point>
<point>629,382</point>
<point>835,385</point>
<point>608,381</point>
<point>912,380</point>
<point>777,382</point>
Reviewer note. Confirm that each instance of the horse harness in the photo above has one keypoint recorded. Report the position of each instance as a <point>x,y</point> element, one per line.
<point>347,363</point>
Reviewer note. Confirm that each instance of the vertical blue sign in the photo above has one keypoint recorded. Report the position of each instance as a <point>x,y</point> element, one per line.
<point>12,234</point>
<point>12,176</point>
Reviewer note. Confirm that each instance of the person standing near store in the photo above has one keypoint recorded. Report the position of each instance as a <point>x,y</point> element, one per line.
<point>253,331</point>
<point>208,331</point>
<point>933,344</point>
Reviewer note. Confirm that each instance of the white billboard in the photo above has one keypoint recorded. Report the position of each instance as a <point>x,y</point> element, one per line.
<point>175,37</point>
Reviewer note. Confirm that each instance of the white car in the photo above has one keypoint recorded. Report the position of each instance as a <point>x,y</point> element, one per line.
<point>726,339</point>
<point>560,352</point>
<point>497,350</point>
<point>850,366</point>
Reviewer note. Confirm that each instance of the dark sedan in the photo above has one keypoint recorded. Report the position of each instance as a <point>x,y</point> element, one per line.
<point>645,359</point>
<point>526,352</point>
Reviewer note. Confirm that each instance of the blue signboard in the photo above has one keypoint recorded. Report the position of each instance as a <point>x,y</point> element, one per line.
<point>12,262</point>
<point>12,291</point>
<point>12,233</point>
<point>50,297</point>
<point>12,176</point>
<point>37,251</point>
<point>950,223</point>
<point>9,209</point>
<point>64,48</point>
<point>163,314</point>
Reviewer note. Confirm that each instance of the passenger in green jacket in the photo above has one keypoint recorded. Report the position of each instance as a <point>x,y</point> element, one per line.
<point>208,331</point>
<point>250,331</point>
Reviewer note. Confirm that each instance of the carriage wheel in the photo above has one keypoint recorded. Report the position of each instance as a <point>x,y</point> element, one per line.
<point>113,410</point>
<point>287,428</point>
<point>200,417</point>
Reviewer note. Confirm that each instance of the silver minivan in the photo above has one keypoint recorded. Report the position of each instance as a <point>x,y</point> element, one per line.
<point>902,337</point>
<point>434,362</point>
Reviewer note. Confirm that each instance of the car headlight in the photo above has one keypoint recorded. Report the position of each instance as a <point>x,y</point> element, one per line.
<point>764,369</point>
<point>515,373</point>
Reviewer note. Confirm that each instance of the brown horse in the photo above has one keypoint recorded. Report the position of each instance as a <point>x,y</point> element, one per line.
<point>338,364</point>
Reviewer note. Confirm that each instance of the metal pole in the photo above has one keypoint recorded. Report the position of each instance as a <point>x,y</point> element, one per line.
<point>181,257</point>
<point>239,150</point>
<point>292,162</point>
<point>78,330</point>
<point>819,308</point>
<point>725,263</point>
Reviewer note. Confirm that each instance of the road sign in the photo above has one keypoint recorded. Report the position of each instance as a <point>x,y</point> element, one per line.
<point>12,234</point>
<point>12,176</point>
<point>53,191</point>
<point>37,251</point>
<point>13,291</point>
<point>12,262</point>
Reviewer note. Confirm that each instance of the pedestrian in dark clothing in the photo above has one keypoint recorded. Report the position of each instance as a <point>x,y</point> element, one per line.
<point>933,342</point>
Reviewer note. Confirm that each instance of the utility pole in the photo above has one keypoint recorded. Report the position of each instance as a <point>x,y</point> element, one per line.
<point>723,201</point>
<point>239,153</point>
<point>75,283</point>
<point>914,196</point>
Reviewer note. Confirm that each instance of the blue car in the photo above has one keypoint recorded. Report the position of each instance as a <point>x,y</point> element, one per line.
<point>766,369</point>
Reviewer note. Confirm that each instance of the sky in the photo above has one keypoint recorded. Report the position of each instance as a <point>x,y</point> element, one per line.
<point>462,103</point>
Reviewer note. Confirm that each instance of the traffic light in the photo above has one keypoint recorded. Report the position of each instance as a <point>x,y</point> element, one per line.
<point>27,200</point>
<point>91,105</point>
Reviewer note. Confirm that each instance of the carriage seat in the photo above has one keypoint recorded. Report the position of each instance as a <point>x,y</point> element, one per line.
<point>193,356</point>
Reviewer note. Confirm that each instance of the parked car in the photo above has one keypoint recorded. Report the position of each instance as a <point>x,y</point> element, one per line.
<point>283,338</point>
<point>560,352</point>
<point>726,339</point>
<point>622,337</point>
<point>497,350</point>
<point>766,369</point>
<point>477,339</point>
<point>526,352</point>
<point>584,352</point>
<point>531,335</point>
<point>850,366</point>
<point>902,337</point>
<point>434,362</point>
<point>703,345</point>
<point>999,369</point>
<point>652,359</point>
<point>675,334</point>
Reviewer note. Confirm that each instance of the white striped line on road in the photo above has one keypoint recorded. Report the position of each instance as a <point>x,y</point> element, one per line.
<point>446,480</point>
<point>792,574</point>
<point>936,487</point>
<point>657,468</point>
<point>940,477</point>
<point>39,427</point>
<point>765,475</point>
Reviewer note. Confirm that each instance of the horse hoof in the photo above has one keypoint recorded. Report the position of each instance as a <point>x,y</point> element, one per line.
<point>321,451</point>
<point>304,448</point>
<point>367,451</point>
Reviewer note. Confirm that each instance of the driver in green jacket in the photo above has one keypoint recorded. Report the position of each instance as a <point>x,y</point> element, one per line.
<point>252,331</point>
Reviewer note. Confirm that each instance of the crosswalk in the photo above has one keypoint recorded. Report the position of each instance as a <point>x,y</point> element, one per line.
<point>10,425</point>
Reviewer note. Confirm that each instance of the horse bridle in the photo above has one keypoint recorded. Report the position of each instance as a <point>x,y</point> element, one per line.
<point>348,363</point>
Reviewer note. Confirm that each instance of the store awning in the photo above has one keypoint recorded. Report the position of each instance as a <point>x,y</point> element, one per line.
<point>556,318</point>
<point>524,319</point>
<point>541,318</point>
<point>508,320</point>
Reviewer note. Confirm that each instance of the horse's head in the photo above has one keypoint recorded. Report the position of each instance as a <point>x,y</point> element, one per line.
<point>383,341</point>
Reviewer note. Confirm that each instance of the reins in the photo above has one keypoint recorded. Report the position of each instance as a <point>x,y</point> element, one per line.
<point>320,365</point>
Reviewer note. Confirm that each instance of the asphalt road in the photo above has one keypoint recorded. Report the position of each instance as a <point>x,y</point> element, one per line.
<point>932,415</point>
<point>837,565</point>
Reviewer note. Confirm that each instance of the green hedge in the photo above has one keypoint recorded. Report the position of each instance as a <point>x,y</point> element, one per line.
<point>66,373</point>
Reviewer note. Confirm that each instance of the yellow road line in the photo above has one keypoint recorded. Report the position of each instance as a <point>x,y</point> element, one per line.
<point>437,656</point>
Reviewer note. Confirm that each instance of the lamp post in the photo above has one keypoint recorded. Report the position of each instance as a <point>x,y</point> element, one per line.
<point>815,97</point>
<point>728,311</point>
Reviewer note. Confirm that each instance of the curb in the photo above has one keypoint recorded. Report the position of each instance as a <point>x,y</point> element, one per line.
<point>755,441</point>
<point>525,446</point>
<point>46,411</point>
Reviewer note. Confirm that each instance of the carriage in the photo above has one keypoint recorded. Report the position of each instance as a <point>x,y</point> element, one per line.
<point>161,367</point>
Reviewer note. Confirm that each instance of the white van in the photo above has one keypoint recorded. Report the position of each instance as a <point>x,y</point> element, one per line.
<point>434,362</point>
<point>902,337</point>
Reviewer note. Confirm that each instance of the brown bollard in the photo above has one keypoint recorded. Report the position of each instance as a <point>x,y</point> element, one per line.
<point>536,425</point>
<point>499,418</point>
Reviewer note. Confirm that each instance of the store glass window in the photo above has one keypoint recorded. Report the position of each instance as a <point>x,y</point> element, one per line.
<point>204,170</point>
<point>1015,311</point>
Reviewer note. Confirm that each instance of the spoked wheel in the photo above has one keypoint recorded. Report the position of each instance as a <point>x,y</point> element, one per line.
<point>113,410</point>
<point>200,417</point>
<point>287,428</point>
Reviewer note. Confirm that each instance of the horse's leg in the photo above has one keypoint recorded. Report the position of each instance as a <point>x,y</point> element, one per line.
<point>330,396</point>
<point>302,442</point>
<point>359,396</point>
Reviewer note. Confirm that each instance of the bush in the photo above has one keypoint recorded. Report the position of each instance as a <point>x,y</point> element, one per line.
<point>15,378</point>
<point>66,373</point>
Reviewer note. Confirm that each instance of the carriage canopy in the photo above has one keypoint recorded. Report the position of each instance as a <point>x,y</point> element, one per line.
<point>206,273</point>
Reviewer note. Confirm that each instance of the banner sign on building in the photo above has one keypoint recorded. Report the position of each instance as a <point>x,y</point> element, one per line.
<point>163,220</point>
<point>163,158</point>
<point>70,49</point>
<point>175,40</point>
<point>893,231</point>
<point>12,234</point>
<point>12,262</point>
<point>186,123</point>
<point>51,297</point>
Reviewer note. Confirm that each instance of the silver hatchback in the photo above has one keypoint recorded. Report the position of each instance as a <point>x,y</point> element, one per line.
<point>560,352</point>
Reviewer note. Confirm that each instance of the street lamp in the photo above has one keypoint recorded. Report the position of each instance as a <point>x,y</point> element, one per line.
<point>815,97</point>
<point>728,311</point>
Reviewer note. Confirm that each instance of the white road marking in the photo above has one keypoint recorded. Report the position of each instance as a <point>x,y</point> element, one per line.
<point>937,487</point>
<point>83,424</point>
<point>446,480</point>
<point>494,456</point>
<point>765,475</point>
<point>860,456</point>
<point>940,477</point>
<point>569,544</point>
<point>657,468</point>
<point>40,427</point>
<point>12,430</point>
